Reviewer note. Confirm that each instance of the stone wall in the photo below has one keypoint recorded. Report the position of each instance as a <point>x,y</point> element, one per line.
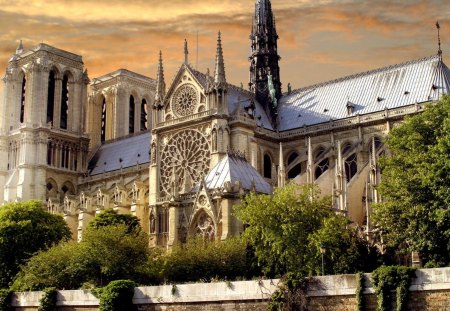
<point>429,291</point>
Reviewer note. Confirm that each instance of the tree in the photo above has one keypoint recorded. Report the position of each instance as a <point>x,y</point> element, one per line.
<point>117,253</point>
<point>415,187</point>
<point>345,250</point>
<point>285,229</point>
<point>110,217</point>
<point>26,228</point>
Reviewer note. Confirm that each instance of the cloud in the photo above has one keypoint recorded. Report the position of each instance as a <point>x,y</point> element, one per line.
<point>319,40</point>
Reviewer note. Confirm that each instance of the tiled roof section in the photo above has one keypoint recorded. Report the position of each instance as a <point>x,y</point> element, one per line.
<point>235,168</point>
<point>122,153</point>
<point>237,95</point>
<point>391,87</point>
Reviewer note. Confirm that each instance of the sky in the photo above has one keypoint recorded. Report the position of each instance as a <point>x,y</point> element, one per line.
<point>319,40</point>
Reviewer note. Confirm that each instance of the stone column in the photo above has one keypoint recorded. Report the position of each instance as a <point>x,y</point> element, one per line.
<point>174,219</point>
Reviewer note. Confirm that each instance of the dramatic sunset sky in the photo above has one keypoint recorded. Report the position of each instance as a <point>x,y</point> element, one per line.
<point>319,39</point>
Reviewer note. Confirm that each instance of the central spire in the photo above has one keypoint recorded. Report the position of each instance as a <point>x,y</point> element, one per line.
<point>264,69</point>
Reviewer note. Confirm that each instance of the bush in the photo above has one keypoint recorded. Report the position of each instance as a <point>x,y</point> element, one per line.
<point>65,266</point>
<point>48,300</point>
<point>202,260</point>
<point>117,296</point>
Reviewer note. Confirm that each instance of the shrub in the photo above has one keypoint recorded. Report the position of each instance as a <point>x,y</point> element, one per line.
<point>48,300</point>
<point>117,296</point>
<point>202,260</point>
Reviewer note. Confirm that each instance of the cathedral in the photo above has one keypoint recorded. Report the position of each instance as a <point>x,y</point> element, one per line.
<point>180,156</point>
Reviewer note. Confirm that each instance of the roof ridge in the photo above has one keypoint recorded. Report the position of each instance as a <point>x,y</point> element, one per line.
<point>361,74</point>
<point>108,142</point>
<point>237,88</point>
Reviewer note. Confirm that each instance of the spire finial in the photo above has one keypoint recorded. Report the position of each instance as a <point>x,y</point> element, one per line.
<point>439,38</point>
<point>19,49</point>
<point>160,84</point>
<point>186,52</point>
<point>219,72</point>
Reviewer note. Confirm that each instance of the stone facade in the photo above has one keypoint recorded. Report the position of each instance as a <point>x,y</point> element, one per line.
<point>180,157</point>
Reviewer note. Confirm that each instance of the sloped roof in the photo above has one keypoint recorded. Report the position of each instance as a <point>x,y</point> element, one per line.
<point>390,87</point>
<point>235,168</point>
<point>126,152</point>
<point>237,95</point>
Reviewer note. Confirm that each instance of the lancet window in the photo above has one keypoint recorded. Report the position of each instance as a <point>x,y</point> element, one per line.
<point>13,155</point>
<point>163,221</point>
<point>295,170</point>
<point>350,164</point>
<point>144,115</point>
<point>103,128</point>
<point>267,166</point>
<point>22,100</point>
<point>323,165</point>
<point>131,115</point>
<point>64,102</point>
<point>51,96</point>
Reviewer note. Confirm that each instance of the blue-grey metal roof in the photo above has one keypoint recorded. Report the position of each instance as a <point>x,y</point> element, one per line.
<point>235,168</point>
<point>391,87</point>
<point>122,153</point>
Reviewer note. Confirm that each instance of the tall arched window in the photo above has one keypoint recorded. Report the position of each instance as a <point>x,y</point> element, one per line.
<point>22,100</point>
<point>50,96</point>
<point>350,164</point>
<point>144,117</point>
<point>323,165</point>
<point>103,129</point>
<point>267,166</point>
<point>64,102</point>
<point>295,170</point>
<point>131,116</point>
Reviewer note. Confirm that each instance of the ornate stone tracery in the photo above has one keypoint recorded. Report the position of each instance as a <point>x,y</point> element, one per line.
<point>185,100</point>
<point>186,154</point>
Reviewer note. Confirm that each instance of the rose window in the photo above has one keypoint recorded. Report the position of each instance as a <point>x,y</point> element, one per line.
<point>187,153</point>
<point>185,100</point>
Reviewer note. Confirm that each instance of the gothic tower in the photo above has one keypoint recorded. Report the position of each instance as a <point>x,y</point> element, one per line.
<point>264,69</point>
<point>43,145</point>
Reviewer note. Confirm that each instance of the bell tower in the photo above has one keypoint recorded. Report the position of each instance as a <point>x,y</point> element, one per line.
<point>264,69</point>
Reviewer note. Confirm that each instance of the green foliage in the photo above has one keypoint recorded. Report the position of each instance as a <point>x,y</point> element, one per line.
<point>5,300</point>
<point>346,250</point>
<point>117,296</point>
<point>415,184</point>
<point>48,300</point>
<point>199,259</point>
<point>117,253</point>
<point>287,230</point>
<point>388,278</point>
<point>110,217</point>
<point>64,266</point>
<point>360,291</point>
<point>26,228</point>
<point>105,254</point>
